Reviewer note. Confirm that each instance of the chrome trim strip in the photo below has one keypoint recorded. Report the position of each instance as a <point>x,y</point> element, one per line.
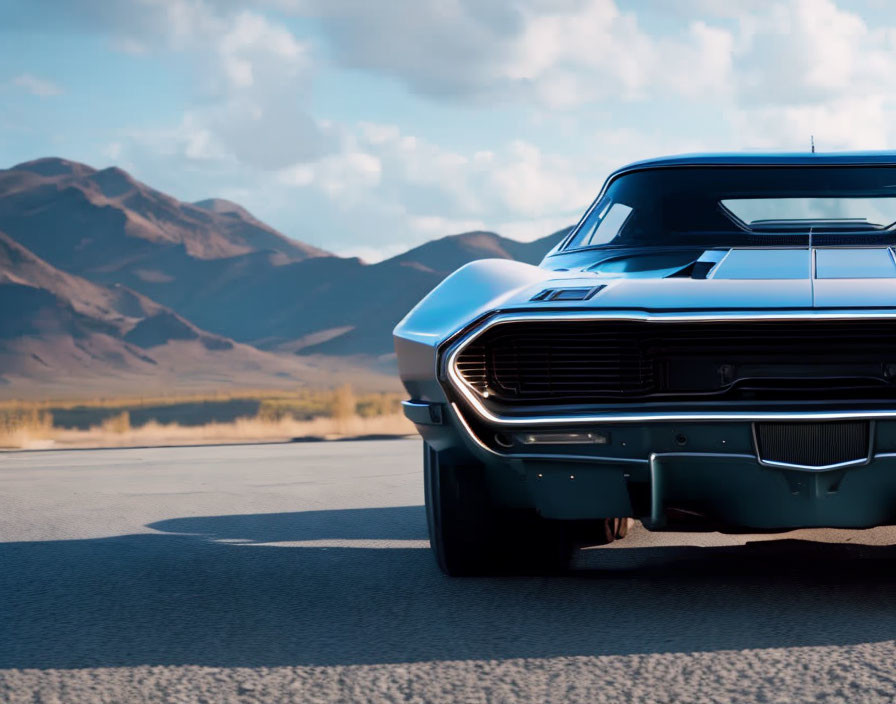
<point>717,455</point>
<point>416,404</point>
<point>810,468</point>
<point>653,456</point>
<point>539,456</point>
<point>472,396</point>
<point>859,462</point>
<point>744,456</point>
<point>813,267</point>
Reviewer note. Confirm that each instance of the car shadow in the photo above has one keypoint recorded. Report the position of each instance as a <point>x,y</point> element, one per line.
<point>213,591</point>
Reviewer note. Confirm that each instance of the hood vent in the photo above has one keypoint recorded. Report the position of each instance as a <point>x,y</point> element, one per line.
<point>582,293</point>
<point>700,267</point>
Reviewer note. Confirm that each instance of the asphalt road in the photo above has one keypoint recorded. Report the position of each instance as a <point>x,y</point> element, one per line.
<point>300,573</point>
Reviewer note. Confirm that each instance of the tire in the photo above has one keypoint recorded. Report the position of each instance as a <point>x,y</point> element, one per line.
<point>470,537</point>
<point>460,533</point>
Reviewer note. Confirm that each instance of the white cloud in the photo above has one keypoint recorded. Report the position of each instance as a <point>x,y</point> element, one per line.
<point>810,67</point>
<point>595,84</point>
<point>529,229</point>
<point>531,183</point>
<point>561,54</point>
<point>344,176</point>
<point>253,78</point>
<point>34,85</point>
<point>249,40</point>
<point>850,123</point>
<point>763,68</point>
<point>385,186</point>
<point>430,181</point>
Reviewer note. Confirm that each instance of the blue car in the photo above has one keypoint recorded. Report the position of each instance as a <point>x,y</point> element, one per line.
<point>712,347</point>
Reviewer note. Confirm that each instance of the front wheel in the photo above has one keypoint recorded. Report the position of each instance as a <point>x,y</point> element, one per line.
<point>472,537</point>
<point>460,532</point>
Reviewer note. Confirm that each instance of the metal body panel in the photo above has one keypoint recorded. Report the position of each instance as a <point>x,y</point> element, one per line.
<point>764,264</point>
<point>704,462</point>
<point>719,476</point>
<point>856,294</point>
<point>864,263</point>
<point>703,294</point>
<point>737,491</point>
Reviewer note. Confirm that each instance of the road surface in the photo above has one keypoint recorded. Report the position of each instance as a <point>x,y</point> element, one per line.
<point>300,573</point>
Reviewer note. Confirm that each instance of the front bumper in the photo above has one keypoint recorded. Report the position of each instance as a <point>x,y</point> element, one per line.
<point>658,470</point>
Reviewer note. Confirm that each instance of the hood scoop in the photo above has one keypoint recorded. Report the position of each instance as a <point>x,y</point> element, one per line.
<point>578,293</point>
<point>700,267</point>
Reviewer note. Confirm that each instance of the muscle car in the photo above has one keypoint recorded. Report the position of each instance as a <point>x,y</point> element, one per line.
<point>712,347</point>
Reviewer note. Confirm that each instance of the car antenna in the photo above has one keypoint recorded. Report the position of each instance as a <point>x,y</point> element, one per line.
<point>812,142</point>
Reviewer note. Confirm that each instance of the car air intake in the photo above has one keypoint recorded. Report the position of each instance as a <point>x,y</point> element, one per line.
<point>535,362</point>
<point>580,293</point>
<point>813,445</point>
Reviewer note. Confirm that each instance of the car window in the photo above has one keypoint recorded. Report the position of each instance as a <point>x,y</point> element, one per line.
<point>794,212</point>
<point>743,206</point>
<point>605,224</point>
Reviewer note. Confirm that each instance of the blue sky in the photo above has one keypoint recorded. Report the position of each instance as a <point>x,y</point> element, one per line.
<point>367,128</point>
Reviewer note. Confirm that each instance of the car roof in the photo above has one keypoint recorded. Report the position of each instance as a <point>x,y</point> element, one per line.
<point>764,159</point>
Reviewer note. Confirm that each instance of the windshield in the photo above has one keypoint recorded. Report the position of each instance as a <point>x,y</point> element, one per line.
<point>726,206</point>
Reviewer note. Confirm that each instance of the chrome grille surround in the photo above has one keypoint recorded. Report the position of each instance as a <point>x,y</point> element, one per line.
<point>474,397</point>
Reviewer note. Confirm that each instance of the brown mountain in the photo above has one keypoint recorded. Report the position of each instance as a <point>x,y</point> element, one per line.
<point>112,251</point>
<point>59,331</point>
<point>87,222</point>
<point>335,306</point>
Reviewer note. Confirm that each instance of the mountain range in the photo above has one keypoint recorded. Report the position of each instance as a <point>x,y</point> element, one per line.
<point>107,284</point>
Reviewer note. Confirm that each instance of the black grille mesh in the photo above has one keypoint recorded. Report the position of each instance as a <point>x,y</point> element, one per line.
<point>541,362</point>
<point>813,444</point>
<point>616,361</point>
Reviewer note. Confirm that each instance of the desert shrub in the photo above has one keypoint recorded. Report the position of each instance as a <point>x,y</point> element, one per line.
<point>272,411</point>
<point>20,425</point>
<point>374,405</point>
<point>343,404</point>
<point>302,406</point>
<point>119,423</point>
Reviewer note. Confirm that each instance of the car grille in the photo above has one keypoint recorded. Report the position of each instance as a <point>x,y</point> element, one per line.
<point>813,444</point>
<point>613,361</point>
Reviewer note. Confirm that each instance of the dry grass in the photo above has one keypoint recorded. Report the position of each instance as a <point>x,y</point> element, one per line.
<point>305,402</point>
<point>25,427</point>
<point>281,416</point>
<point>118,424</point>
<point>241,430</point>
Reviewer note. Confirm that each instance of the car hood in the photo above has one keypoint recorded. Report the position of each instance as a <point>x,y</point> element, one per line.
<point>737,279</point>
<point>731,279</point>
<point>763,281</point>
